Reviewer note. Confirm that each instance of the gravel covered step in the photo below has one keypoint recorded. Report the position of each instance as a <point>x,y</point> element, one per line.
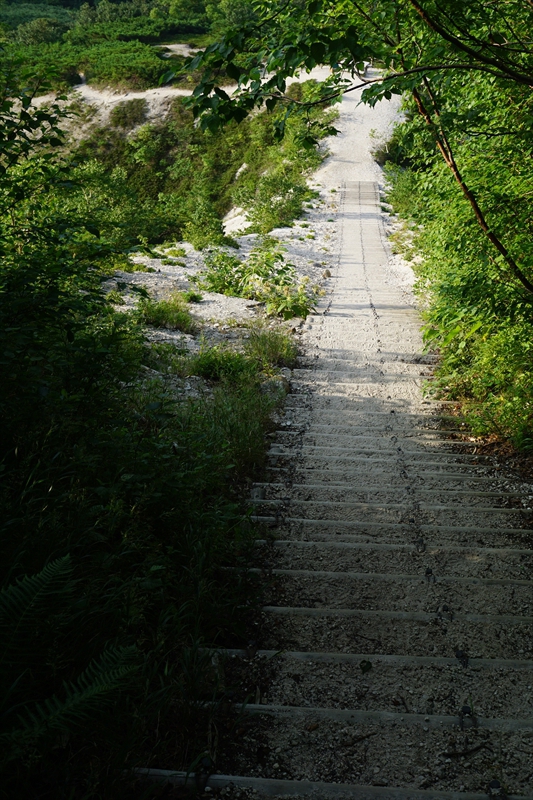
<point>340,404</point>
<point>384,749</point>
<point>394,533</point>
<point>423,431</point>
<point>393,688</point>
<point>470,562</point>
<point>480,478</point>
<point>410,452</point>
<point>397,632</point>
<point>432,593</point>
<point>374,494</point>
<point>387,441</point>
<point>369,419</point>
<point>357,375</point>
<point>387,464</point>
<point>496,689</point>
<point>426,513</point>
<point>296,432</point>
<point>272,787</point>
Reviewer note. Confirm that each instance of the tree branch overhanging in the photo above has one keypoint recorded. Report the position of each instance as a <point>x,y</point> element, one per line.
<point>500,64</point>
<point>394,76</point>
<point>447,153</point>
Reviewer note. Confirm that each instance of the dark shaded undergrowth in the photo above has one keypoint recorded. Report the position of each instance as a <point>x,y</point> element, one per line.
<point>120,498</point>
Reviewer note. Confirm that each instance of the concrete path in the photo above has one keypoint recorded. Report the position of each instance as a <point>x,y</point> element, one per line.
<point>396,648</point>
<point>401,604</point>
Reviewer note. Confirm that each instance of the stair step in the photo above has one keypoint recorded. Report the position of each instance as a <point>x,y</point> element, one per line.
<point>382,749</point>
<point>410,616</point>
<point>398,578</point>
<point>390,683</point>
<point>419,415</point>
<point>380,489</point>
<point>421,513</point>
<point>441,596</point>
<point>358,716</point>
<point>463,477</point>
<point>393,461</point>
<point>388,506</point>
<point>464,562</point>
<point>379,527</point>
<point>272,787</point>
<point>408,633</point>
<point>387,659</point>
<point>430,435</point>
<point>430,548</point>
<point>392,452</point>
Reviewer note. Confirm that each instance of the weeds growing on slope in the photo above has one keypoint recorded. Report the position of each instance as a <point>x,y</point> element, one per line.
<point>119,498</point>
<point>171,312</point>
<point>129,113</point>
<point>271,348</point>
<point>264,276</point>
<point>169,180</point>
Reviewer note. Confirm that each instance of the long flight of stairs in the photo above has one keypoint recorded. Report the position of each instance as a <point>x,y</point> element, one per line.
<point>395,651</point>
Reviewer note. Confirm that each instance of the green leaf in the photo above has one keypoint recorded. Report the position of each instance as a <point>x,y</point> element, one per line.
<point>21,605</point>
<point>92,229</point>
<point>167,77</point>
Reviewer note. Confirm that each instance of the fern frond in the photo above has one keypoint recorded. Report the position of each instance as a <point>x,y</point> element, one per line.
<point>24,601</point>
<point>83,699</point>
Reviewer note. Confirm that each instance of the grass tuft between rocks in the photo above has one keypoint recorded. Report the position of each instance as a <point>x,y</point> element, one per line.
<point>171,312</point>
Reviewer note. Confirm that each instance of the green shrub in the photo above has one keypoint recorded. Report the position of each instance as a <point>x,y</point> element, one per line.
<point>224,274</point>
<point>129,113</point>
<point>141,29</point>
<point>132,65</point>
<point>16,14</point>
<point>276,201</point>
<point>175,252</point>
<point>119,499</point>
<point>222,364</point>
<point>169,313</point>
<point>264,276</point>
<point>39,31</point>
<point>192,297</point>
<point>115,297</point>
<point>478,315</point>
<point>129,65</point>
<point>204,226</point>
<point>271,348</point>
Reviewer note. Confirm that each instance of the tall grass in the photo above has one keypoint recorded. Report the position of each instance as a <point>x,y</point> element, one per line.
<point>171,312</point>
<point>120,502</point>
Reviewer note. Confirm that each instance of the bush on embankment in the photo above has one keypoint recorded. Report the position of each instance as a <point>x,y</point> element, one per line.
<point>479,316</point>
<point>119,497</point>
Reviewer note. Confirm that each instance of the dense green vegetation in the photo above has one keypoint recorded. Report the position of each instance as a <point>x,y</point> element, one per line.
<point>170,180</point>
<point>120,496</point>
<point>479,317</point>
<point>264,276</point>
<point>462,163</point>
<point>112,43</point>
